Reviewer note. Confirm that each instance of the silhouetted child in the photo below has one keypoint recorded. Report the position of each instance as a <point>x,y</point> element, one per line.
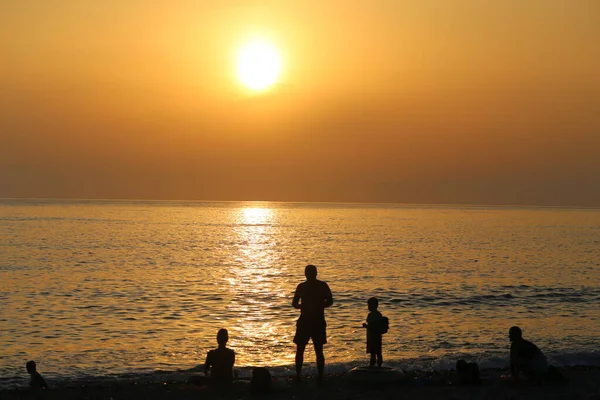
<point>36,382</point>
<point>219,362</point>
<point>376,326</point>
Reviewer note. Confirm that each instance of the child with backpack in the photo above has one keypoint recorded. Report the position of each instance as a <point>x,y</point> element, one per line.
<point>376,326</point>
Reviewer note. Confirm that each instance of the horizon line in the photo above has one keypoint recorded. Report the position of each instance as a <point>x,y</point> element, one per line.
<point>306,202</point>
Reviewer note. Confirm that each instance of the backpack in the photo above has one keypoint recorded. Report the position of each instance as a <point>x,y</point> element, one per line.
<point>384,325</point>
<point>260,383</point>
<point>468,373</point>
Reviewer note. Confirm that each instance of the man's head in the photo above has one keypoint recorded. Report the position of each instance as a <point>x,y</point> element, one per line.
<point>222,337</point>
<point>310,272</point>
<point>373,303</point>
<point>31,367</point>
<point>515,333</point>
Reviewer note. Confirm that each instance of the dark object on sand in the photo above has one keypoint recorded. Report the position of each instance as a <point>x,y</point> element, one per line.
<point>260,383</point>
<point>468,373</point>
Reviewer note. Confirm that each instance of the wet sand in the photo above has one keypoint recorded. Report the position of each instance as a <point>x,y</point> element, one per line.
<point>584,383</point>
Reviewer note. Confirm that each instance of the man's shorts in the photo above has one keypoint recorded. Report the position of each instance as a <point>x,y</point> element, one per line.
<point>306,330</point>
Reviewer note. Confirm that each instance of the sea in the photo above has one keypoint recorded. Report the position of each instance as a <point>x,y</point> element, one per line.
<point>96,289</point>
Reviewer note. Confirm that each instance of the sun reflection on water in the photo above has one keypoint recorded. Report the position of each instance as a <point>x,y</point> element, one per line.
<point>258,289</point>
<point>255,215</point>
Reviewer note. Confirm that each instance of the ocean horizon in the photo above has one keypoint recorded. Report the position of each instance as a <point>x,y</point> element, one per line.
<point>45,200</point>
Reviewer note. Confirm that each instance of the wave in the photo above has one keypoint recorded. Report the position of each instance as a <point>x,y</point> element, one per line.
<point>503,296</point>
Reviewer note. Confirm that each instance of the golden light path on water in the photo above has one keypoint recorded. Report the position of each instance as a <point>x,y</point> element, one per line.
<point>260,288</point>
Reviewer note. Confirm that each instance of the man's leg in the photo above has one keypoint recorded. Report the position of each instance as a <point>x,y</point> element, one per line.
<point>320,361</point>
<point>299,360</point>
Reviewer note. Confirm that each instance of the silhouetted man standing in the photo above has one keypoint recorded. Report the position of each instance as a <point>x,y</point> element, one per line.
<point>311,297</point>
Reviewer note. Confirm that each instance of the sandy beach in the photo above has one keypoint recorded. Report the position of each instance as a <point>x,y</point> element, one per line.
<point>584,383</point>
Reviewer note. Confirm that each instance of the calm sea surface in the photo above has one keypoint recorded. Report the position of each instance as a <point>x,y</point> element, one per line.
<point>96,288</point>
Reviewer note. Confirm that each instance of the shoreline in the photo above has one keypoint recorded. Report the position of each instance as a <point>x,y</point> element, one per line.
<point>584,383</point>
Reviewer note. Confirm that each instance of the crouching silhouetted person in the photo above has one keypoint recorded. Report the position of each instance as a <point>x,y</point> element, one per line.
<point>525,357</point>
<point>36,382</point>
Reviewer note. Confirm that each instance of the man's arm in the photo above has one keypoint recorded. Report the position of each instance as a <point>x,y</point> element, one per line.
<point>207,364</point>
<point>296,301</point>
<point>328,296</point>
<point>513,355</point>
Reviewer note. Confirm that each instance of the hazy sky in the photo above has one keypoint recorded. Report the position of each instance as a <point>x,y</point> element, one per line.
<point>422,101</point>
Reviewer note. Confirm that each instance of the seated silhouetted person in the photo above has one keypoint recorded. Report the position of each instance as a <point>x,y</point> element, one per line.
<point>219,362</point>
<point>525,357</point>
<point>36,382</point>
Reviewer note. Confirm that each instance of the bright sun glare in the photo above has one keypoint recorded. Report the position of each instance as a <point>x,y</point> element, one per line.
<point>255,215</point>
<point>258,65</point>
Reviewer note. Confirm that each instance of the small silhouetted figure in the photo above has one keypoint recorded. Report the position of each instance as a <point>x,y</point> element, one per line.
<point>219,362</point>
<point>311,297</point>
<point>525,357</point>
<point>36,382</point>
<point>374,327</point>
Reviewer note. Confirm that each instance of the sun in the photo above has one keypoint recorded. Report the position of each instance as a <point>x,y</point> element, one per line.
<point>258,65</point>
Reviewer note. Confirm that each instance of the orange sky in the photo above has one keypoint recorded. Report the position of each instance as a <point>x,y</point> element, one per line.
<point>428,101</point>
